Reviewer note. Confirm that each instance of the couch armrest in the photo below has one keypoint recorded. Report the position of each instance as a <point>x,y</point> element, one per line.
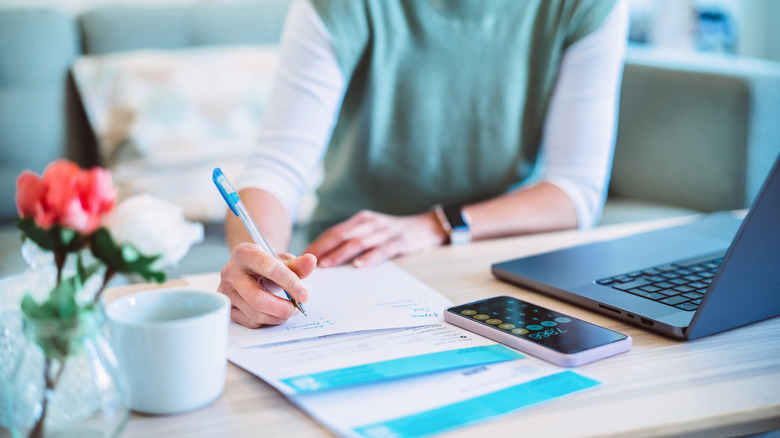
<point>695,130</point>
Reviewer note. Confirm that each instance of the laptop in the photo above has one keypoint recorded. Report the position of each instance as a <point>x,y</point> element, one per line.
<point>688,281</point>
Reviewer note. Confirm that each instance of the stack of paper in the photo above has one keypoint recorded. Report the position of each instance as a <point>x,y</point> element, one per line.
<point>374,358</point>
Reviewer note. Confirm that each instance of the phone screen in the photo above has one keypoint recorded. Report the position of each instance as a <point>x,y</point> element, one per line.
<point>537,324</point>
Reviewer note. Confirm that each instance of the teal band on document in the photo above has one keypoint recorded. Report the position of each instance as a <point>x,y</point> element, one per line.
<point>407,366</point>
<point>479,408</point>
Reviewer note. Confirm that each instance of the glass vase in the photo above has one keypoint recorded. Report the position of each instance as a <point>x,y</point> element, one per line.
<point>37,280</point>
<point>68,382</point>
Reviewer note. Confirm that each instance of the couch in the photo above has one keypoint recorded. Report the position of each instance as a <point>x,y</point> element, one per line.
<point>697,133</point>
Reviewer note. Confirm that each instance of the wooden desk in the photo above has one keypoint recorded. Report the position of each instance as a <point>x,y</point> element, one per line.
<point>723,385</point>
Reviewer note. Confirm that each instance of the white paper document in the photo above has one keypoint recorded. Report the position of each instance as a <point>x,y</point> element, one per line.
<point>344,299</point>
<point>375,359</point>
<point>434,403</point>
<point>350,359</point>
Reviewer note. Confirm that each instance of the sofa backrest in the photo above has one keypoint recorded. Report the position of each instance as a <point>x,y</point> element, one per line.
<point>113,29</point>
<point>36,49</point>
<point>696,130</point>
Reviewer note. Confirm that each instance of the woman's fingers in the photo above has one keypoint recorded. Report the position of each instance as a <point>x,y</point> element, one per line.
<point>303,265</point>
<point>370,237</point>
<point>260,264</point>
<point>251,277</point>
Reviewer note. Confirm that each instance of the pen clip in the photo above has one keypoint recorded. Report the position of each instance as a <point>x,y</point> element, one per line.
<point>226,189</point>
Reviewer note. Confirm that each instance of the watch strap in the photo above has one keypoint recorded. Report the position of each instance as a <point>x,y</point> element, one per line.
<point>455,222</point>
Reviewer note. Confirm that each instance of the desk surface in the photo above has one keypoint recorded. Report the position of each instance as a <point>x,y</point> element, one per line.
<point>723,385</point>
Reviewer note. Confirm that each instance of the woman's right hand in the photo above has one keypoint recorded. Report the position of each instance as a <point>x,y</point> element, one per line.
<point>251,278</point>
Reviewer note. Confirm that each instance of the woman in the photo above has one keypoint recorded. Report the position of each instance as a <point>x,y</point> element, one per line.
<point>440,121</point>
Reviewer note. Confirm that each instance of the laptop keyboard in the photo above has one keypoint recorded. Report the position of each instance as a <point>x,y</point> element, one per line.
<point>679,285</point>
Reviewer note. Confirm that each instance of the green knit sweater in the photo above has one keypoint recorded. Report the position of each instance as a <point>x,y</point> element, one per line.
<point>445,99</point>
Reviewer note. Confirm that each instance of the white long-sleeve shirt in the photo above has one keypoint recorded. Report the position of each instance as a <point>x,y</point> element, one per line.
<point>578,132</point>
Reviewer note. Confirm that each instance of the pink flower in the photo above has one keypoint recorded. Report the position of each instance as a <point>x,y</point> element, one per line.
<point>66,195</point>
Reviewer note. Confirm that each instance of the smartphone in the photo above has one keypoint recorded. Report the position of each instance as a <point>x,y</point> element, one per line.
<point>538,331</point>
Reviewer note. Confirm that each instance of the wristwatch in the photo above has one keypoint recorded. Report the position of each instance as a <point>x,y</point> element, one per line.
<point>455,223</point>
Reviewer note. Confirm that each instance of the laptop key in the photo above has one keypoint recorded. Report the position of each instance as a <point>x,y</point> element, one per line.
<point>683,271</point>
<point>631,284</point>
<point>687,306</point>
<point>649,295</point>
<point>652,271</point>
<point>693,295</point>
<point>673,301</point>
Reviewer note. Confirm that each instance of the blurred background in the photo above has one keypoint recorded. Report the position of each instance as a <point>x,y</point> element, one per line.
<point>741,27</point>
<point>738,27</point>
<point>162,91</point>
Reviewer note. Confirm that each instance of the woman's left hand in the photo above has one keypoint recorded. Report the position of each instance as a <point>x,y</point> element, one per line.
<point>369,237</point>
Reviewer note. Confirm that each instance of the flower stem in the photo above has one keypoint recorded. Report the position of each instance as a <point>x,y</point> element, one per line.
<point>59,260</point>
<point>110,272</point>
<point>51,382</point>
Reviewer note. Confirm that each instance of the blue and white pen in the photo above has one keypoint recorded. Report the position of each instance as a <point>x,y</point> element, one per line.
<point>235,204</point>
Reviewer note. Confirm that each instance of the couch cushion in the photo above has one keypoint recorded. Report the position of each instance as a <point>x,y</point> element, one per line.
<point>166,118</point>
<point>696,130</point>
<point>620,210</point>
<point>681,138</point>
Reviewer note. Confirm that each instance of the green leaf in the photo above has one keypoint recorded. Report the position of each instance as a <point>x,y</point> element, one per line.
<point>125,258</point>
<point>68,236</point>
<point>63,296</point>
<point>130,254</point>
<point>104,248</point>
<point>56,239</point>
<point>33,310</point>
<point>41,237</point>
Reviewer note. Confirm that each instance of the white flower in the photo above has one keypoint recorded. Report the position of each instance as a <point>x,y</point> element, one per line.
<point>154,228</point>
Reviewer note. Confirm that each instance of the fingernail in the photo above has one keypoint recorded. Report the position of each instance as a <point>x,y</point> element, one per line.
<point>358,263</point>
<point>304,295</point>
<point>324,263</point>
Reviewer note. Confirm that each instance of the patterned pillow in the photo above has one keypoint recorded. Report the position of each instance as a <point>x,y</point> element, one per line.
<point>165,119</point>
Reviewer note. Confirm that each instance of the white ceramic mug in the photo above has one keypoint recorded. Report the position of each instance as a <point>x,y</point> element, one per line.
<point>172,346</point>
